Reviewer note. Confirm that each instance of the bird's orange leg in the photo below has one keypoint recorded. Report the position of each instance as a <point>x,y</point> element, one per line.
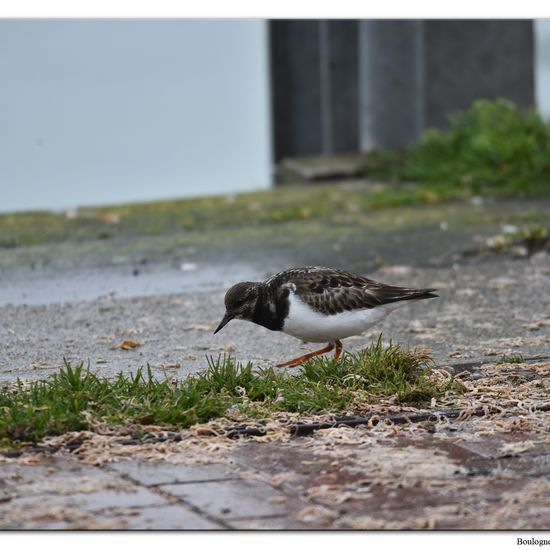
<point>338,351</point>
<point>297,361</point>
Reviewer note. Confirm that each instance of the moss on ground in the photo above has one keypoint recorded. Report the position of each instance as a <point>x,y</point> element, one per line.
<point>265,211</point>
<point>344,208</point>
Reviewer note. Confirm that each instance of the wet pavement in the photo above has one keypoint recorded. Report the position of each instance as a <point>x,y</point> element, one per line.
<point>341,478</point>
<point>487,469</point>
<point>79,301</point>
<point>484,311</point>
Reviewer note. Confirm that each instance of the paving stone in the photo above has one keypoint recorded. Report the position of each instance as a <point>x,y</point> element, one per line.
<point>109,499</point>
<point>536,466</point>
<point>157,473</point>
<point>297,463</point>
<point>273,523</point>
<point>486,455</point>
<point>231,499</point>
<point>18,475</point>
<point>173,516</point>
<point>61,477</point>
<point>91,522</point>
<point>85,502</point>
<point>492,446</point>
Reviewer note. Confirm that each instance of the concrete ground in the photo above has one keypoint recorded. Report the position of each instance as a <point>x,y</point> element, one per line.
<point>488,468</point>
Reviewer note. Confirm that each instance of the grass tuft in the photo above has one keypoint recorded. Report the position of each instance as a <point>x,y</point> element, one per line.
<point>492,148</point>
<point>516,358</point>
<point>67,400</point>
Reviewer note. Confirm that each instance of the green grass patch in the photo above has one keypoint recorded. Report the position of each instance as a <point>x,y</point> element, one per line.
<point>67,400</point>
<point>493,148</point>
<point>516,358</point>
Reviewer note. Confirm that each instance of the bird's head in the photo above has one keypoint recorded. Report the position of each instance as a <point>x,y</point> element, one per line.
<point>240,302</point>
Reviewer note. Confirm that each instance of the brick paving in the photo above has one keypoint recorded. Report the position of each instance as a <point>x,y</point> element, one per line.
<point>341,478</point>
<point>62,493</point>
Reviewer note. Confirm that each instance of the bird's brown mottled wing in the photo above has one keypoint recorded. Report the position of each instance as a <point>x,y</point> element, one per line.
<point>332,291</point>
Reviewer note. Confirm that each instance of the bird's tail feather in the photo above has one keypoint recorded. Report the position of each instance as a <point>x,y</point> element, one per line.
<point>398,294</point>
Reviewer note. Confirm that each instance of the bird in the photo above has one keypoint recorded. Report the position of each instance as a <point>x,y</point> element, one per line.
<point>316,304</point>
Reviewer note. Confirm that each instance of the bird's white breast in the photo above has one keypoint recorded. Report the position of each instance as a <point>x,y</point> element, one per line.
<point>311,326</point>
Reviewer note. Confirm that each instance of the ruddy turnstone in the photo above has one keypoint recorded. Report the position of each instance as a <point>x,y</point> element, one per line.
<point>316,304</point>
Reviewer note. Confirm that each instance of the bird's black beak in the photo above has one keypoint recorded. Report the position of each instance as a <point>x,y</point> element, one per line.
<point>226,318</point>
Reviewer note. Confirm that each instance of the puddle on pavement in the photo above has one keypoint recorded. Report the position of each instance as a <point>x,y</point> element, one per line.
<point>122,282</point>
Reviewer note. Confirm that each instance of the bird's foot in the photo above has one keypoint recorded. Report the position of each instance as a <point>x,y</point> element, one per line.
<point>297,361</point>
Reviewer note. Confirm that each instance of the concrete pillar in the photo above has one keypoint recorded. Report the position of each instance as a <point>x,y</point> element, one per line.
<point>343,104</point>
<point>391,78</point>
<point>314,87</point>
<point>295,86</point>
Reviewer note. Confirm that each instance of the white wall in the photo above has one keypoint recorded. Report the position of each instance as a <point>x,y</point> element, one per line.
<point>542,66</point>
<point>97,112</point>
